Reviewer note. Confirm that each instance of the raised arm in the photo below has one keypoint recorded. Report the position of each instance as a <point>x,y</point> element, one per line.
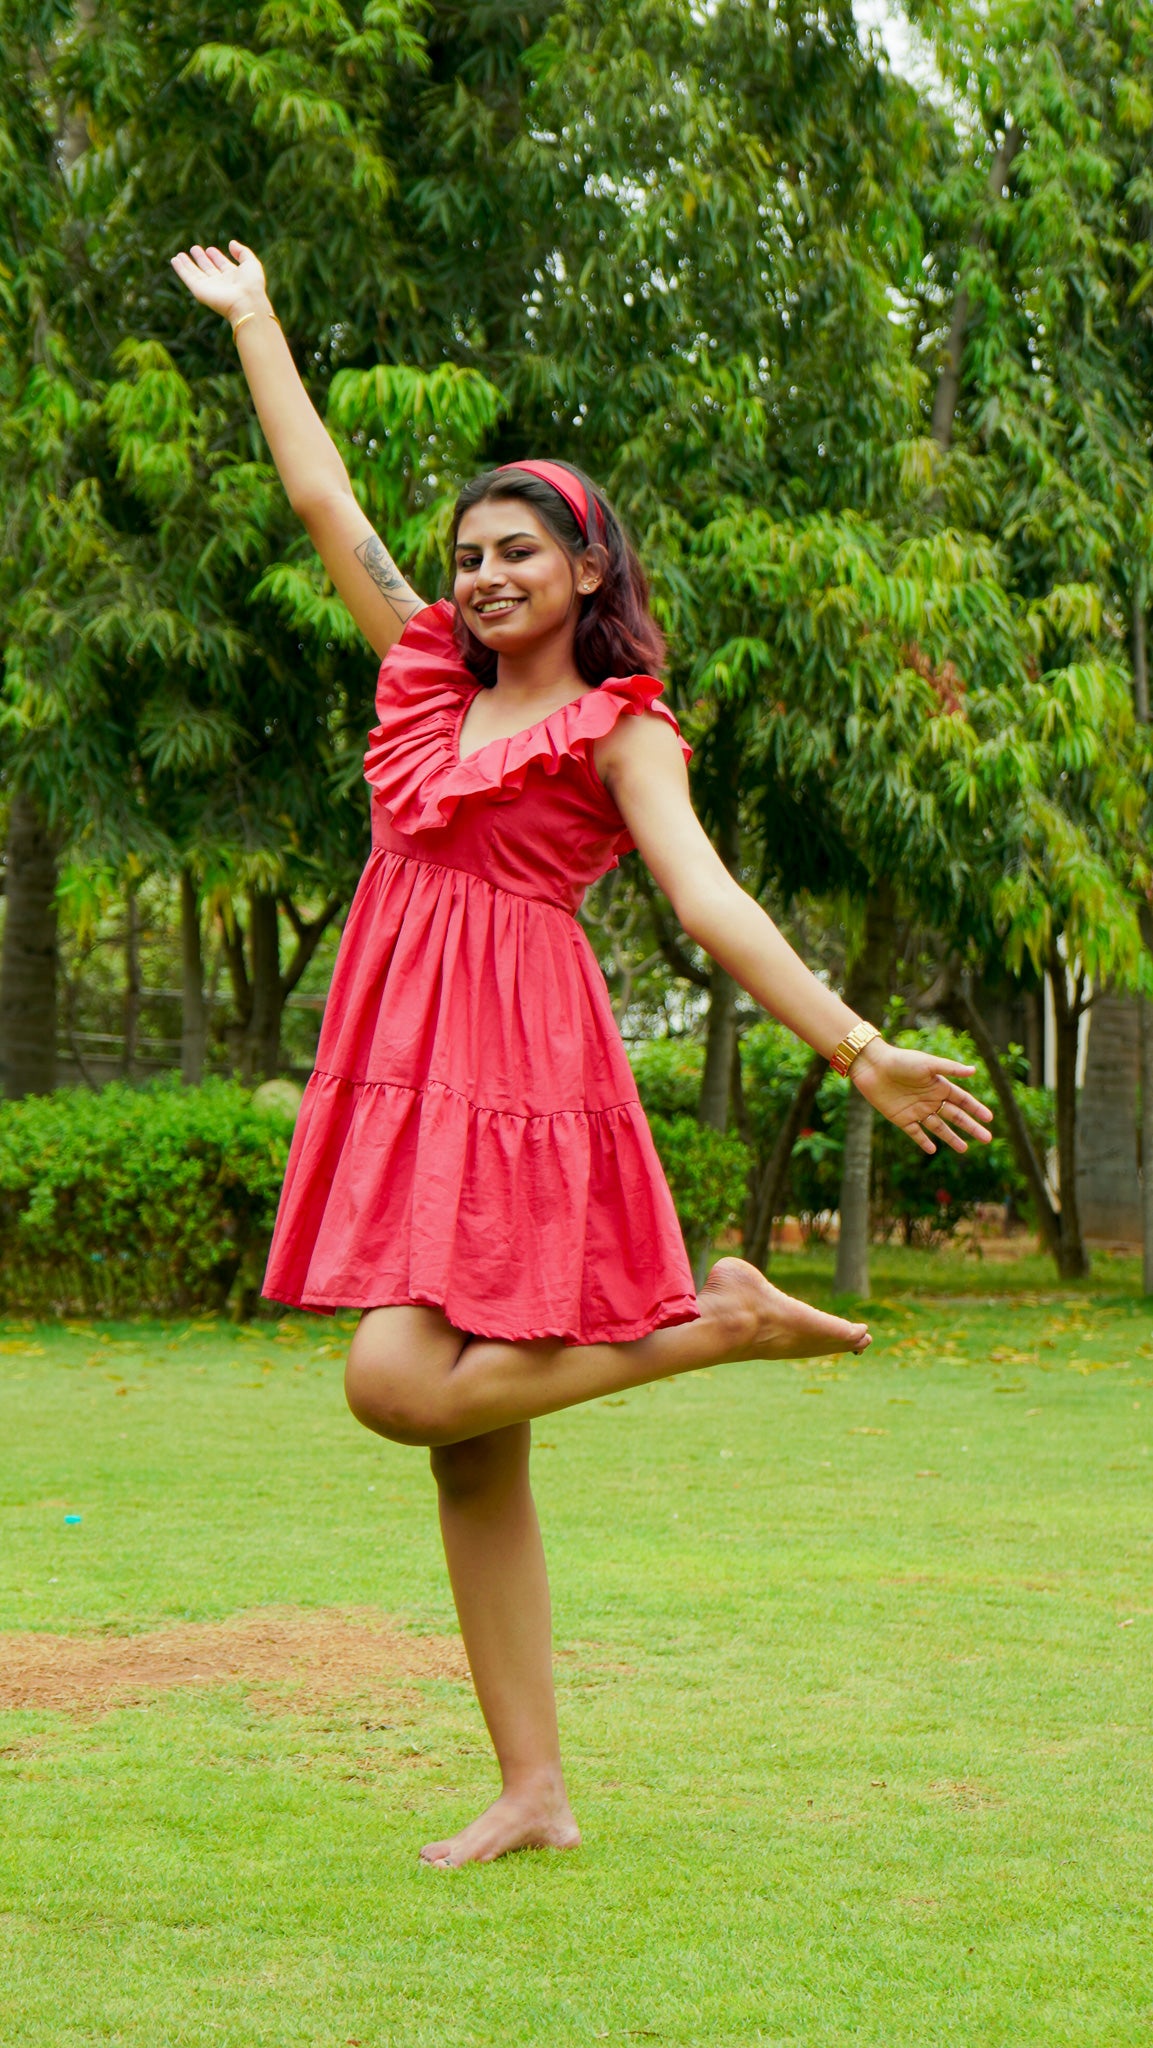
<point>642,766</point>
<point>313,475</point>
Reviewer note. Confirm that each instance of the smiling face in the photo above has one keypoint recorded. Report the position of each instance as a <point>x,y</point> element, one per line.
<point>514,582</point>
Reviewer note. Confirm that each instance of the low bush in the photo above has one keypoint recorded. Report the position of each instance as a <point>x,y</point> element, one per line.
<point>707,1172</point>
<point>153,1200</point>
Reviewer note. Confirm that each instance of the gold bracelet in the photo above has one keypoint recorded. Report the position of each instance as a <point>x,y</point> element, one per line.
<point>251,316</point>
<point>854,1042</point>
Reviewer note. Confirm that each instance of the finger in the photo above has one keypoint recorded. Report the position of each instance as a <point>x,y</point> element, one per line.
<point>200,258</point>
<point>188,273</point>
<point>218,257</point>
<point>943,1067</point>
<point>961,1122</point>
<point>239,249</point>
<point>960,1098</point>
<point>919,1137</point>
<point>940,1128</point>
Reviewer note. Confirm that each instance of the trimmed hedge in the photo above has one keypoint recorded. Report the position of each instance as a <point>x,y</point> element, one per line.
<point>155,1200</point>
<point>161,1200</point>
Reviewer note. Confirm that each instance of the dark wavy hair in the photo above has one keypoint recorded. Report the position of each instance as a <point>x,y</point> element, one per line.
<point>616,634</point>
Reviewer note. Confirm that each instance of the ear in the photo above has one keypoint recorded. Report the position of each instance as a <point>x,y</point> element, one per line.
<point>590,575</point>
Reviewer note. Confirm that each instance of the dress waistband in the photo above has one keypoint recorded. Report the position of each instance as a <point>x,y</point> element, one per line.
<point>449,867</point>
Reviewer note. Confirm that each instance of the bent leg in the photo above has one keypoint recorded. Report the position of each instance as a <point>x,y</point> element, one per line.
<point>496,1564</point>
<point>413,1378</point>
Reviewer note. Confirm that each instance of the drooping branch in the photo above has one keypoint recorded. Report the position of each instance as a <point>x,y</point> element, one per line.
<point>967,1016</point>
<point>768,1194</point>
<point>308,937</point>
<point>232,945</point>
<point>949,379</point>
<point>672,952</point>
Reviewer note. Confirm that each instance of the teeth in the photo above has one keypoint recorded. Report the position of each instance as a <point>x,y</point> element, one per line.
<point>505,605</point>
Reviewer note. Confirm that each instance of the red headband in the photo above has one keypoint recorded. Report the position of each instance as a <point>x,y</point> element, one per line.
<point>569,486</point>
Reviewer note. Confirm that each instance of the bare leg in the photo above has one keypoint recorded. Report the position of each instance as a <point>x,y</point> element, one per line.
<point>496,1564</point>
<point>413,1378</point>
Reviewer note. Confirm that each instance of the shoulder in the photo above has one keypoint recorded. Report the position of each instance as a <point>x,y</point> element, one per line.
<point>429,631</point>
<point>426,655</point>
<point>649,743</point>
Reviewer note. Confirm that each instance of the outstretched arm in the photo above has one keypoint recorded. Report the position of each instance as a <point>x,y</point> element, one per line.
<point>311,471</point>
<point>642,766</point>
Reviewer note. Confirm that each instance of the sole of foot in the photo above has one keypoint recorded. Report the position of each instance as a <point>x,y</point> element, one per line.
<point>768,1324</point>
<point>505,1827</point>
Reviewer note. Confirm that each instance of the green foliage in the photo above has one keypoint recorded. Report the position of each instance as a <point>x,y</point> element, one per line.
<point>706,1173</point>
<point>927,1199</point>
<point>773,1060</point>
<point>668,1075</point>
<point>922,1199</point>
<point>135,1201</point>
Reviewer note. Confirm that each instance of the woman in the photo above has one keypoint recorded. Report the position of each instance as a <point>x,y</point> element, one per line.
<point>471,1166</point>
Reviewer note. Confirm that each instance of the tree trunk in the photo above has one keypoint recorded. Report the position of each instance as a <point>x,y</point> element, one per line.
<point>1147,1144</point>
<point>720,1052</point>
<point>262,1038</point>
<point>1072,1258</point>
<point>28,958</point>
<point>193,1009</point>
<point>1108,1183</point>
<point>767,1195</point>
<point>720,1040</point>
<point>868,994</point>
<point>1035,1035</point>
<point>853,1238</point>
<point>131,1010</point>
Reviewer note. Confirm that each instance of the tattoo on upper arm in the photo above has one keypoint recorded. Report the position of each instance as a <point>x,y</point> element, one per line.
<point>374,557</point>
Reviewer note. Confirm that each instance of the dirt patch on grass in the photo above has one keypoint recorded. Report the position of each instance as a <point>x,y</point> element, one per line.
<point>319,1653</point>
<point>965,1793</point>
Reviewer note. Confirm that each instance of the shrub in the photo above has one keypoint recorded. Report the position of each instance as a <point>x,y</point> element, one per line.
<point>706,1173</point>
<point>137,1200</point>
<point>668,1075</point>
<point>706,1170</point>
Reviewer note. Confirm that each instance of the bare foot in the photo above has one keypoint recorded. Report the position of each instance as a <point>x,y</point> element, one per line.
<point>759,1321</point>
<point>525,1820</point>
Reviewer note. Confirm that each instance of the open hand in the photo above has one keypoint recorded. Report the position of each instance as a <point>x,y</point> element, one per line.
<point>916,1091</point>
<point>229,287</point>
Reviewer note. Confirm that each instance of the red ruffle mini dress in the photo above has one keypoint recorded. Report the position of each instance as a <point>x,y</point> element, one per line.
<point>472,1138</point>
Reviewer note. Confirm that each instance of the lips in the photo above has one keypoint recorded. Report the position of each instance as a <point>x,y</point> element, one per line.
<point>498,608</point>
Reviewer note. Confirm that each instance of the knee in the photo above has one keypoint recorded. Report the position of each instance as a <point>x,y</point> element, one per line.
<point>481,1465</point>
<point>387,1396</point>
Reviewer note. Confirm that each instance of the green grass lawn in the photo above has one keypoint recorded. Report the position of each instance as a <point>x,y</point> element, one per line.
<point>856,1667</point>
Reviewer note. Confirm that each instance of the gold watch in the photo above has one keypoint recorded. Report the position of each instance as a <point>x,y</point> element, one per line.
<point>857,1039</point>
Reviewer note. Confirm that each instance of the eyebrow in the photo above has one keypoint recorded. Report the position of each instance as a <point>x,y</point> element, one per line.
<point>470,546</point>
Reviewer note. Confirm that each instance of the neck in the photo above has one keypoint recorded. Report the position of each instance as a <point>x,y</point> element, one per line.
<point>545,669</point>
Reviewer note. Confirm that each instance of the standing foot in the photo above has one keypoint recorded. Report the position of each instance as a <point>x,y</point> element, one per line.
<point>757,1321</point>
<point>517,1820</point>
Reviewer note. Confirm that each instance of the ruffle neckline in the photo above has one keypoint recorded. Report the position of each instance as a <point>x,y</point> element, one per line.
<point>413,762</point>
